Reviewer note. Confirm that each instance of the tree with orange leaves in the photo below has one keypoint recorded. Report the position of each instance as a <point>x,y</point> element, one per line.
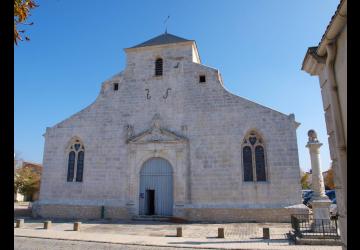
<point>21,13</point>
<point>329,179</point>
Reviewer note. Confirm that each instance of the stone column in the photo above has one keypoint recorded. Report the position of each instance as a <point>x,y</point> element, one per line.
<point>320,202</point>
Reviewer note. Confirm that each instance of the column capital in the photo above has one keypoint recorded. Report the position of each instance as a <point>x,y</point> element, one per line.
<point>313,142</point>
<point>314,145</point>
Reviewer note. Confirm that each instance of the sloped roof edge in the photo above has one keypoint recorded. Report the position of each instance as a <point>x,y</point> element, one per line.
<point>162,39</point>
<point>338,20</point>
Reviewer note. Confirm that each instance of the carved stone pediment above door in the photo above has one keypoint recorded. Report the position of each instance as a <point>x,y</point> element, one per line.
<point>156,134</point>
<point>162,143</point>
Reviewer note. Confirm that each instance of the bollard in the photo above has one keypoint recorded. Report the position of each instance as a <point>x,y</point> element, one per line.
<point>77,226</point>
<point>47,224</point>
<point>19,223</point>
<point>179,232</point>
<point>266,233</point>
<point>221,233</point>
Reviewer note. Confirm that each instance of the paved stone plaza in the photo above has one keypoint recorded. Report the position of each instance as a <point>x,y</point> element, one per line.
<point>238,231</point>
<point>153,234</point>
<point>24,243</point>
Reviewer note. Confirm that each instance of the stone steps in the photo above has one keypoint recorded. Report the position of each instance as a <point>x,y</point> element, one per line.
<point>151,218</point>
<point>314,240</point>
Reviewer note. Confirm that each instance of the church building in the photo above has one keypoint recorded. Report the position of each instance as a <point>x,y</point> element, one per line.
<point>165,138</point>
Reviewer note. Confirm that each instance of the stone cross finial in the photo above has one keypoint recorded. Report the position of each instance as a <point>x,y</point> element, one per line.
<point>156,121</point>
<point>129,130</point>
<point>312,136</point>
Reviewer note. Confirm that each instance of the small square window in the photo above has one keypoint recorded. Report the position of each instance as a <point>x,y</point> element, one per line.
<point>116,86</point>
<point>202,78</point>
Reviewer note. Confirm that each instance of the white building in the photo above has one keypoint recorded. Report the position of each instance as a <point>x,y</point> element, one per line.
<point>328,61</point>
<point>164,137</point>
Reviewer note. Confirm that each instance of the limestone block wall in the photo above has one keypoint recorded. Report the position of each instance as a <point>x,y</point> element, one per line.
<point>340,169</point>
<point>219,215</point>
<point>341,75</point>
<point>213,120</point>
<point>66,211</point>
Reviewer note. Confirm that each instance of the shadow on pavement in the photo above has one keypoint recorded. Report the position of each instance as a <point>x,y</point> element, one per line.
<point>223,242</point>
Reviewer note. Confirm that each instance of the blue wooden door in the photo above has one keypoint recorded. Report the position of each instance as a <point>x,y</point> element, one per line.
<point>156,178</point>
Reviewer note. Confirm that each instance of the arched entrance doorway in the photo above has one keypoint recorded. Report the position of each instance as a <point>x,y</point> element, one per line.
<point>156,188</point>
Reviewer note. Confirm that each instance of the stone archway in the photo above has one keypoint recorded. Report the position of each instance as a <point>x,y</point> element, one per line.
<point>156,188</point>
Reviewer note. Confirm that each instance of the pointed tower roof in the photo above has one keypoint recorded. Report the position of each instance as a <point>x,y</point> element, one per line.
<point>165,38</point>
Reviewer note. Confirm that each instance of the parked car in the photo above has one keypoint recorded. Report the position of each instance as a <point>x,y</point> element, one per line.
<point>308,194</point>
<point>331,194</point>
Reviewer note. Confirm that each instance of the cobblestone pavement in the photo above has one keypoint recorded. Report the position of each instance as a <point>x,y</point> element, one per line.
<point>236,231</point>
<point>23,243</point>
<point>239,231</point>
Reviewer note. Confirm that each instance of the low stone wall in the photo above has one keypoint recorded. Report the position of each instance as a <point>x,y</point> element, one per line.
<point>190,214</point>
<point>78,212</point>
<point>239,214</point>
<point>116,213</point>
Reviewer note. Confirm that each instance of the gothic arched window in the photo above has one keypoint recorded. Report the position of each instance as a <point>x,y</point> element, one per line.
<point>247,161</point>
<point>159,67</point>
<point>76,154</point>
<point>71,164</point>
<point>254,157</point>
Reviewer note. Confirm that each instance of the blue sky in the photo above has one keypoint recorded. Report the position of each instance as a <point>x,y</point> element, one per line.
<point>258,46</point>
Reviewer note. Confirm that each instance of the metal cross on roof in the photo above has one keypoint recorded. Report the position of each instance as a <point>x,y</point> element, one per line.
<point>165,22</point>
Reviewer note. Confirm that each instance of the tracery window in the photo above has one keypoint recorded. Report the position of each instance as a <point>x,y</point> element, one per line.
<point>253,153</point>
<point>159,67</point>
<point>76,154</point>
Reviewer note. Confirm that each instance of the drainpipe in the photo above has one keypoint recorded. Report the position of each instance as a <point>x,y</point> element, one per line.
<point>340,145</point>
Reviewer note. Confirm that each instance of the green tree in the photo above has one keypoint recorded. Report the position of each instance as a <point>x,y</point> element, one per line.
<point>305,180</point>
<point>27,181</point>
<point>21,13</point>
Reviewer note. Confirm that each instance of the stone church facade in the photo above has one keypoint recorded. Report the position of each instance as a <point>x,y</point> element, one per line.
<point>164,137</point>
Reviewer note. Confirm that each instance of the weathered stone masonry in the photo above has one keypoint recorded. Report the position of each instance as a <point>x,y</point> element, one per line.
<point>198,128</point>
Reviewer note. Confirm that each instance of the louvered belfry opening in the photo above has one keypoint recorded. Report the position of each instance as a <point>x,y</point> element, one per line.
<point>159,67</point>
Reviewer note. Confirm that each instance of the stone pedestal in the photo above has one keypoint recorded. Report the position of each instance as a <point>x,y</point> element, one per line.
<point>321,209</point>
<point>321,213</point>
<point>320,202</point>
